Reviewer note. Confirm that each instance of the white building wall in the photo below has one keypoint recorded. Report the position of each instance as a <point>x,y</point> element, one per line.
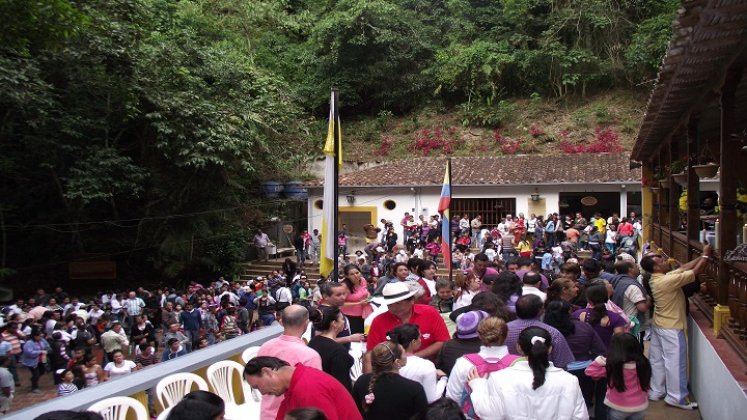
<point>424,200</point>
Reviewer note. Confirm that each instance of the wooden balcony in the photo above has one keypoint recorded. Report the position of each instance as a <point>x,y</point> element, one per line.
<point>676,245</point>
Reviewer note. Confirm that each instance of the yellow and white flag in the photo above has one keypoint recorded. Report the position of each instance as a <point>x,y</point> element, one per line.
<point>333,156</point>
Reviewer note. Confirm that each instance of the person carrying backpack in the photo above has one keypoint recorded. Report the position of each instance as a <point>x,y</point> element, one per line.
<point>493,356</point>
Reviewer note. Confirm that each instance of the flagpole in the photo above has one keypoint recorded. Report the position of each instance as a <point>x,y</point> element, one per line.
<point>334,275</point>
<point>451,187</point>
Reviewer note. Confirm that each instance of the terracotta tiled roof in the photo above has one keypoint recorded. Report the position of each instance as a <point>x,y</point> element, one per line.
<point>502,170</point>
<point>707,36</point>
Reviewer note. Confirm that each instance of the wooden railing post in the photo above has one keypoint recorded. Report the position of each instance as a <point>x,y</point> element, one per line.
<point>730,155</point>
<point>693,186</point>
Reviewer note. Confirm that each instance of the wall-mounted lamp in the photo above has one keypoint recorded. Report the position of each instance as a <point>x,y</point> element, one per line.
<point>635,164</point>
<point>535,195</point>
<point>350,198</point>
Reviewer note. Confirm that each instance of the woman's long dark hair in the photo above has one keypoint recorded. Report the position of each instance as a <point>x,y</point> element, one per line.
<point>555,291</point>
<point>404,334</point>
<point>535,342</point>
<point>323,317</point>
<point>506,285</point>
<point>345,280</point>
<point>624,348</point>
<point>597,296</point>
<point>558,315</point>
<point>424,265</point>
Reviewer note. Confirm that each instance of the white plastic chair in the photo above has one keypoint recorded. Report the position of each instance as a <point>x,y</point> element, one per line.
<point>116,408</point>
<point>357,369</point>
<point>173,388</point>
<point>164,414</point>
<point>220,375</point>
<point>250,353</point>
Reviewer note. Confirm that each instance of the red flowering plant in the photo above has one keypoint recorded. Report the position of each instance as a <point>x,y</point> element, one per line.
<point>507,145</point>
<point>385,146</point>
<point>536,130</point>
<point>427,140</point>
<point>605,141</point>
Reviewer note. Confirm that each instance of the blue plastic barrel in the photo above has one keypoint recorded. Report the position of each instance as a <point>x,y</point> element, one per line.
<point>295,190</point>
<point>272,189</point>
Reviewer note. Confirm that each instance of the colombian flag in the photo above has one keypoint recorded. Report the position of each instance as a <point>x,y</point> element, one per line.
<point>443,210</point>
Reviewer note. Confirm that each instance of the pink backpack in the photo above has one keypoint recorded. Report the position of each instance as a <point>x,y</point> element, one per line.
<point>484,366</point>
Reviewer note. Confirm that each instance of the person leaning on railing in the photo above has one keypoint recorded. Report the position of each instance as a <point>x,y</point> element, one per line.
<point>668,352</point>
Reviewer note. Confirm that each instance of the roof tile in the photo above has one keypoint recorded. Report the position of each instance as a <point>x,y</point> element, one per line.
<point>499,170</point>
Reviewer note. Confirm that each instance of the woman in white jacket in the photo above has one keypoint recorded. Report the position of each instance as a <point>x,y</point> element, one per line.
<point>532,389</point>
<point>420,370</point>
<point>492,332</point>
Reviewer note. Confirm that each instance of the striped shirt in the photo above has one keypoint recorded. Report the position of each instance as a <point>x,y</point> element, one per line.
<point>134,306</point>
<point>66,389</point>
<point>15,343</point>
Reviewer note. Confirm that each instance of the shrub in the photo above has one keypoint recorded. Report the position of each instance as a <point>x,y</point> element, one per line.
<point>605,141</point>
<point>427,140</point>
<point>536,130</point>
<point>384,147</point>
<point>507,145</point>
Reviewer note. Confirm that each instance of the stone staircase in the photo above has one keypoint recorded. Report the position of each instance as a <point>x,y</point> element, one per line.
<point>253,269</point>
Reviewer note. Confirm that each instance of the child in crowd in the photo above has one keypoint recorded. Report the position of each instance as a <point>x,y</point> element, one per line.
<point>66,386</point>
<point>443,300</point>
<point>628,374</point>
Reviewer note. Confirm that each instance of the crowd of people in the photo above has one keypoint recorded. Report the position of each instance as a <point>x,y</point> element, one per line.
<point>512,337</point>
<point>82,342</point>
<point>533,332</point>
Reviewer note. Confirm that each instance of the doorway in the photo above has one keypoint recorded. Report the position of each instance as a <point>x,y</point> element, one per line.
<point>491,209</point>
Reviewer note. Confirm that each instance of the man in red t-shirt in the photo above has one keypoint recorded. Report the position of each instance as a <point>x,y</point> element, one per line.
<point>301,386</point>
<point>625,228</point>
<point>402,309</point>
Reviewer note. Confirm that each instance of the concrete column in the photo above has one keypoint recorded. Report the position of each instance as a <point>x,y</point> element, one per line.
<point>623,203</point>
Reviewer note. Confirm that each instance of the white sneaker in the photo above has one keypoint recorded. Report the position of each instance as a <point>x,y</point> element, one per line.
<point>686,406</point>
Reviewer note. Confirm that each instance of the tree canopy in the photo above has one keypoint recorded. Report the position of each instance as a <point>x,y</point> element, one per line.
<point>140,129</point>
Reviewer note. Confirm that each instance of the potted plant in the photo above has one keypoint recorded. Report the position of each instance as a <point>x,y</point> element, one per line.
<point>661,179</point>
<point>677,169</point>
<point>707,166</point>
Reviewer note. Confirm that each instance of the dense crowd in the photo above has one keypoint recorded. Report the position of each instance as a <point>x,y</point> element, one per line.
<point>551,329</point>
<point>556,329</point>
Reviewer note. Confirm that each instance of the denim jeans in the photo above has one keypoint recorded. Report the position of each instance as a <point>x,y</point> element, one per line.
<point>36,373</point>
<point>613,414</point>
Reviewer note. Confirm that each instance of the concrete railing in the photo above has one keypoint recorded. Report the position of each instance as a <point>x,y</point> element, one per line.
<point>137,383</point>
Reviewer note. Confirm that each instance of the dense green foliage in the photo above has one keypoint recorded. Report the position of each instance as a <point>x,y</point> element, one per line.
<point>141,128</point>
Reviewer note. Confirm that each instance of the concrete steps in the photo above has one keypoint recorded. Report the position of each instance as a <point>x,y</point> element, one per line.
<point>256,268</point>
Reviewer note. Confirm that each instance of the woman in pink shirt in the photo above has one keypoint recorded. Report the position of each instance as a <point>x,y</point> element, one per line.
<point>356,306</point>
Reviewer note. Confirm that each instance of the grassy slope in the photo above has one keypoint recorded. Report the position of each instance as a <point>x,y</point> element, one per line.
<point>574,121</point>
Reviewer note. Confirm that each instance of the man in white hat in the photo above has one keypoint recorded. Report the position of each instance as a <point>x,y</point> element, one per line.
<point>402,309</point>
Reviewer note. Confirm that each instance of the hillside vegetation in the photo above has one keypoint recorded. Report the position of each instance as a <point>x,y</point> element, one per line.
<point>605,122</point>
<point>140,130</point>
